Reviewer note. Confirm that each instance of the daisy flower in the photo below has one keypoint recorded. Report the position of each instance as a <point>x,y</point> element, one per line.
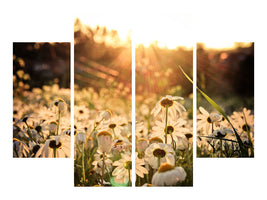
<point>205,120</point>
<point>243,122</point>
<point>141,145</point>
<point>59,104</point>
<point>158,153</point>
<point>175,131</point>
<point>80,138</point>
<point>98,163</point>
<point>81,113</point>
<point>115,126</point>
<point>168,175</point>
<point>56,146</point>
<point>170,103</point>
<point>140,130</point>
<point>105,141</point>
<point>139,169</point>
<point>20,149</point>
<point>123,170</point>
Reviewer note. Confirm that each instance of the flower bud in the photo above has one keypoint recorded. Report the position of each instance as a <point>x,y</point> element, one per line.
<point>104,139</point>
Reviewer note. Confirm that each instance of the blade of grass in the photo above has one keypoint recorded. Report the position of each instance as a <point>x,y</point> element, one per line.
<point>218,108</point>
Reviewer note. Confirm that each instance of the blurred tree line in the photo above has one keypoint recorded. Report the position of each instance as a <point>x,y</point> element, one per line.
<point>37,64</point>
<point>101,59</point>
<point>227,73</point>
<point>157,70</point>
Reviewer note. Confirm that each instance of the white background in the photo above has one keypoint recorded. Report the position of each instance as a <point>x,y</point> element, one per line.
<point>32,21</point>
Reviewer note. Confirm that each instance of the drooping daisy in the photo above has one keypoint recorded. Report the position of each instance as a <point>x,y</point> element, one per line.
<point>56,146</point>
<point>170,103</point>
<point>158,153</point>
<point>80,138</point>
<point>205,120</point>
<point>168,175</point>
<point>141,145</point>
<point>98,163</point>
<point>105,141</point>
<point>20,149</point>
<point>59,104</point>
<point>123,170</point>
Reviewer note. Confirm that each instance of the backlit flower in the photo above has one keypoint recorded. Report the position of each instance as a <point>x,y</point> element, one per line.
<point>243,122</point>
<point>205,120</point>
<point>56,146</point>
<point>104,139</point>
<point>20,149</point>
<point>158,153</point>
<point>123,168</point>
<point>168,175</point>
<point>139,169</point>
<point>98,163</point>
<point>175,130</point>
<point>170,102</point>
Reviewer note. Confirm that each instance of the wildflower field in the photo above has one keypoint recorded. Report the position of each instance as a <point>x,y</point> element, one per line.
<point>102,138</point>
<point>41,100</point>
<point>227,78</point>
<point>41,123</point>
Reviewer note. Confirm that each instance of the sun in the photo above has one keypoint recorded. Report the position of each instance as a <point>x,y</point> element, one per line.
<point>167,30</point>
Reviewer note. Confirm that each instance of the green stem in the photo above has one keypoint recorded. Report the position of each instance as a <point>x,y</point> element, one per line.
<point>158,162</point>
<point>166,124</point>
<point>129,173</point>
<point>103,170</point>
<point>221,148</point>
<point>83,168</point>
<point>55,152</point>
<point>58,121</point>
<point>173,142</point>
<point>93,131</point>
<point>114,133</point>
<point>29,131</point>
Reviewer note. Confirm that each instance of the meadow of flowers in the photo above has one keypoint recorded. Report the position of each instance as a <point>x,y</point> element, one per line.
<point>41,122</point>
<point>218,137</point>
<point>164,142</point>
<point>102,138</point>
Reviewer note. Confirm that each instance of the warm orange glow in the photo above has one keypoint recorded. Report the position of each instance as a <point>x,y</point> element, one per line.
<point>224,45</point>
<point>112,22</point>
<point>166,30</point>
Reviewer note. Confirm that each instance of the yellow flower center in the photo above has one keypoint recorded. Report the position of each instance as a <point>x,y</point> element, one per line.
<point>127,165</point>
